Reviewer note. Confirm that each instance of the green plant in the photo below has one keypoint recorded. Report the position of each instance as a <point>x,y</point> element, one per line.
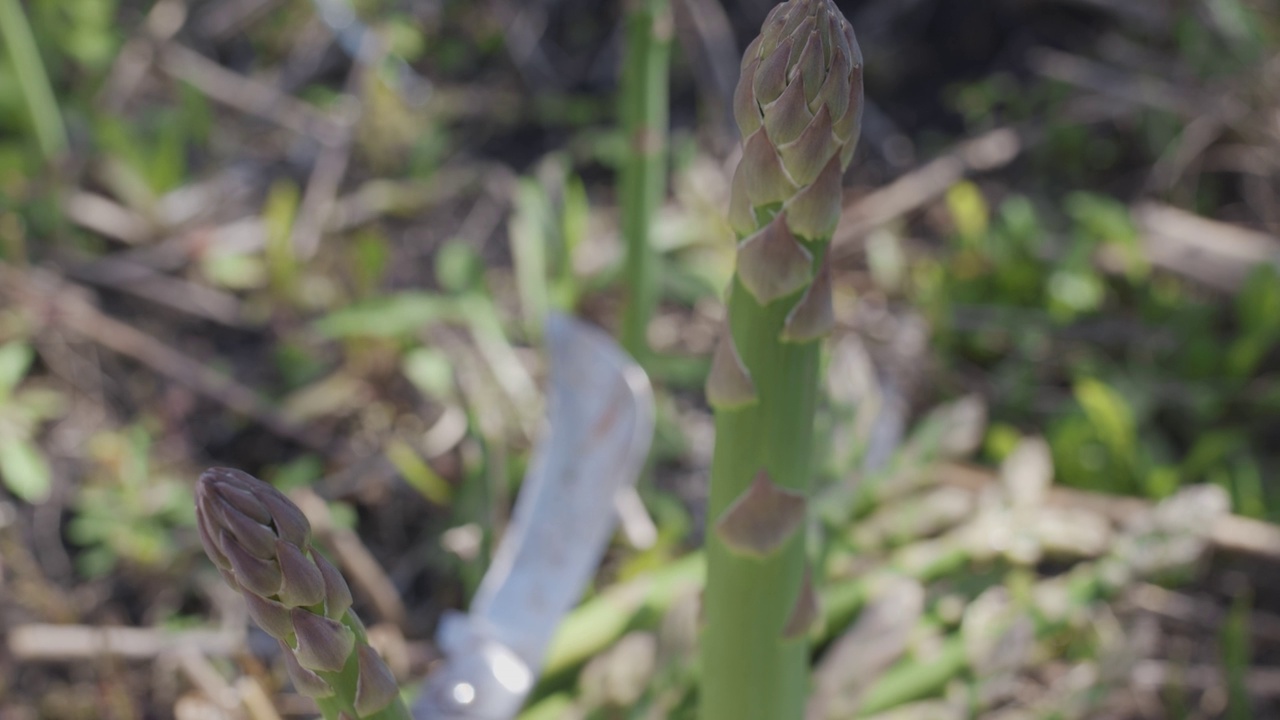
<point>546,228</point>
<point>128,506</point>
<point>642,183</point>
<point>261,543</point>
<point>1044,300</point>
<point>24,57</point>
<point>23,467</point>
<point>799,106</point>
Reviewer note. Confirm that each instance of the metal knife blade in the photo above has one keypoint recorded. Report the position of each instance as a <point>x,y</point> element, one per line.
<point>600,418</point>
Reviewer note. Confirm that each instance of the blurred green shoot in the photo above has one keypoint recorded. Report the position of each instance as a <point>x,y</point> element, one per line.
<point>1075,283</point>
<point>1237,655</point>
<point>1258,318</point>
<point>278,214</point>
<point>546,228</point>
<point>642,182</point>
<point>128,508</point>
<point>24,56</point>
<point>531,232</point>
<point>23,467</point>
<point>418,473</point>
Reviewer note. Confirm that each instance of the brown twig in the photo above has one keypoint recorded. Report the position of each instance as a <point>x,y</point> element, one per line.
<point>331,166</point>
<point>63,303</point>
<point>1262,682</point>
<point>223,19</point>
<point>181,295</point>
<point>107,218</point>
<point>706,33</point>
<point>988,151</point>
<point>135,59</point>
<point>1198,612</point>
<point>1119,86</point>
<point>248,95</point>
<point>377,198</point>
<point>197,668</point>
<point>43,643</point>
<point>1231,533</point>
<point>359,565</point>
<point>1217,254</point>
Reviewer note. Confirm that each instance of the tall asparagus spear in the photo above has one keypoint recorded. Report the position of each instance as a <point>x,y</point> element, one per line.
<point>799,107</point>
<point>261,543</point>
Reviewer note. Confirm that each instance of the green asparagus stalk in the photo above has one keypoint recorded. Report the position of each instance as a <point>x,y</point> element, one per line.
<point>643,180</point>
<point>799,107</point>
<point>261,543</point>
<point>601,620</point>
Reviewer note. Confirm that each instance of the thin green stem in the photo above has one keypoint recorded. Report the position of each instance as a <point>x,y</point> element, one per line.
<point>46,120</point>
<point>642,183</point>
<point>600,621</point>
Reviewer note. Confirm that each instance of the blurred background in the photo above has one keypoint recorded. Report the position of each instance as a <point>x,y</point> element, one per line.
<point>311,240</point>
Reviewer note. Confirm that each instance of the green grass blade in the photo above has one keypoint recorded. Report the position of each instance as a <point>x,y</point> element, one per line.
<point>46,119</point>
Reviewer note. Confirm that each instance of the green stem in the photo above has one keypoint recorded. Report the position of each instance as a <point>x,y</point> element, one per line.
<point>46,120</point>
<point>643,178</point>
<point>553,707</point>
<point>600,621</point>
<point>346,682</point>
<point>913,680</point>
<point>750,671</point>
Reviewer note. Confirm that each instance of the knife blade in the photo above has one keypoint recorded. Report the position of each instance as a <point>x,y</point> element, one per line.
<point>600,426</point>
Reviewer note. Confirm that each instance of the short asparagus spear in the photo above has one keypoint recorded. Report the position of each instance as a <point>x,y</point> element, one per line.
<point>261,543</point>
<point>799,107</point>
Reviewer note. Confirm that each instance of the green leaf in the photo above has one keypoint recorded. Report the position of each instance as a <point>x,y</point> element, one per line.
<point>1161,482</point>
<point>576,217</point>
<point>1000,441</point>
<point>430,371</point>
<point>532,231</point>
<point>278,215</point>
<point>235,271</point>
<point>459,267</point>
<point>24,56</point>
<point>1074,292</point>
<point>969,212</point>
<point>369,255</point>
<point>15,360</point>
<point>1237,655</point>
<point>418,473</point>
<point>1105,221</point>
<point>1258,303</point>
<point>1110,415</point>
<point>1245,352</point>
<point>24,470</point>
<point>1212,449</point>
<point>1079,458</point>
<point>1018,221</point>
<point>36,404</point>
<point>297,473</point>
<point>1101,219</point>
<point>1249,495</point>
<point>392,316</point>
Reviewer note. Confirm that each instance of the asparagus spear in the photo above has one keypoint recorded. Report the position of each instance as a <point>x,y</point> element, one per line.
<point>799,107</point>
<point>261,543</point>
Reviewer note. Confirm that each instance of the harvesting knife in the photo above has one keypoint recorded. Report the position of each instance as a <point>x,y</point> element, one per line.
<point>600,417</point>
